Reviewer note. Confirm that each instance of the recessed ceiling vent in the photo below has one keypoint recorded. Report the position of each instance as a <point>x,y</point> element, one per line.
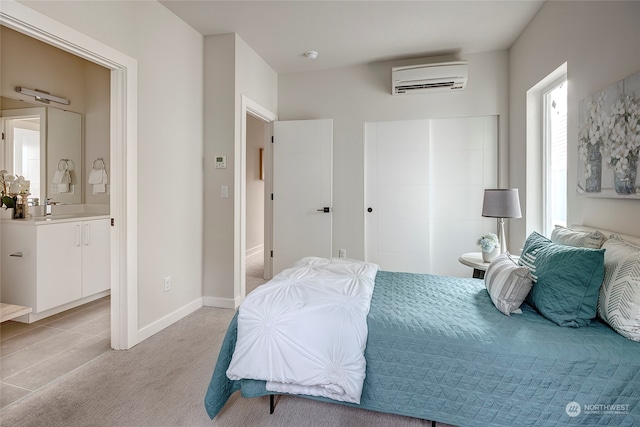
<point>428,78</point>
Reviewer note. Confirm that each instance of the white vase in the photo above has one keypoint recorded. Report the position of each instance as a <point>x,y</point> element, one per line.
<point>6,213</point>
<point>490,256</point>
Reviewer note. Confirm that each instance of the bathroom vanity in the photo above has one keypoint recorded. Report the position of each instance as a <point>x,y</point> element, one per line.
<point>54,263</point>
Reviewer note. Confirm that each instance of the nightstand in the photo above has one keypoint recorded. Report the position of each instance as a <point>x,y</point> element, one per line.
<point>475,261</point>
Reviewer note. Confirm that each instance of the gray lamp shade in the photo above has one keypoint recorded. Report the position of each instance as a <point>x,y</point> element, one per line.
<point>501,203</point>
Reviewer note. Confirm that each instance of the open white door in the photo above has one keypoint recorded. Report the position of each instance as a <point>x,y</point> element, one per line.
<point>302,190</point>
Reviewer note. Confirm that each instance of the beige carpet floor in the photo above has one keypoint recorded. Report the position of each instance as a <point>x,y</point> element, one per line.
<point>162,382</point>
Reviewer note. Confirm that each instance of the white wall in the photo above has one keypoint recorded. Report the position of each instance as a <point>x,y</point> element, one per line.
<point>354,95</point>
<point>232,69</point>
<point>170,181</point>
<point>600,43</point>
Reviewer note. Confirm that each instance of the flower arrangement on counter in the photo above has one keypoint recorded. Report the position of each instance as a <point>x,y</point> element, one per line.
<point>488,242</point>
<point>12,187</point>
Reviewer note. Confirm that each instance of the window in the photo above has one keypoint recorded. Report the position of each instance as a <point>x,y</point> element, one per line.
<point>554,156</point>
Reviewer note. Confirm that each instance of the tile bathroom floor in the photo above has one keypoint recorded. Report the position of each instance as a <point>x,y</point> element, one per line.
<point>36,354</point>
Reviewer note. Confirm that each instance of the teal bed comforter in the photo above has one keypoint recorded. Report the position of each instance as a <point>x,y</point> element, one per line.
<point>439,350</point>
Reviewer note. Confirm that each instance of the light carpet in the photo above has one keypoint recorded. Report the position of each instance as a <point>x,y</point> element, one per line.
<point>162,382</point>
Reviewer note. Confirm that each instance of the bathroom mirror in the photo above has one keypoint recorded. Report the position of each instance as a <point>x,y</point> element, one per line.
<point>44,145</point>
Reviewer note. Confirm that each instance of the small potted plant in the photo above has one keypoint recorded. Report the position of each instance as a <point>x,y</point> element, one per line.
<point>490,246</point>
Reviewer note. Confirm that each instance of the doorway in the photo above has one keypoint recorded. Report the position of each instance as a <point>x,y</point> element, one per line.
<point>263,119</point>
<point>256,130</point>
<point>123,149</point>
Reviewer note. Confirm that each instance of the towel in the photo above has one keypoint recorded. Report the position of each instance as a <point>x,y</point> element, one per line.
<point>63,185</point>
<point>99,179</point>
<point>95,176</point>
<point>57,177</point>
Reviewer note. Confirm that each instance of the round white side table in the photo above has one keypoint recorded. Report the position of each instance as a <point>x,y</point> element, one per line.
<point>475,261</point>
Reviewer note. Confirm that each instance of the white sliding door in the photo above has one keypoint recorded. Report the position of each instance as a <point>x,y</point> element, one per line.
<point>397,195</point>
<point>424,183</point>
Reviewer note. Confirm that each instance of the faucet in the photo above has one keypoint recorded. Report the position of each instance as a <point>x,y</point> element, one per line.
<point>47,206</point>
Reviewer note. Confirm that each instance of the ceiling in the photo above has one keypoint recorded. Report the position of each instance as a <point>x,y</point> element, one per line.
<point>355,32</point>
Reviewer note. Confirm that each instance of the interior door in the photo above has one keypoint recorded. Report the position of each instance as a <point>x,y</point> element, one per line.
<point>302,190</point>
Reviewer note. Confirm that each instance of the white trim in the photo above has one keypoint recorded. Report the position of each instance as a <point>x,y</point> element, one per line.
<point>240,190</point>
<point>169,319</point>
<point>255,250</point>
<point>231,303</point>
<point>124,119</point>
<point>34,317</point>
<point>534,193</point>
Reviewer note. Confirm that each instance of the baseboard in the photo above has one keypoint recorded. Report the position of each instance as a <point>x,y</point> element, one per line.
<point>168,320</point>
<point>222,302</point>
<point>255,250</point>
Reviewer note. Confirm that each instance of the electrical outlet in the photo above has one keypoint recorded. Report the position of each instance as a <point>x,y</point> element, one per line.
<point>342,253</point>
<point>167,283</point>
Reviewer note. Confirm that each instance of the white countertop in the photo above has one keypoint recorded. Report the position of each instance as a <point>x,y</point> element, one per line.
<point>56,218</point>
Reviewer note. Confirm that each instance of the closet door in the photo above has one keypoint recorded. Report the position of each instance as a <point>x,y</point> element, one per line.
<point>424,184</point>
<point>397,195</point>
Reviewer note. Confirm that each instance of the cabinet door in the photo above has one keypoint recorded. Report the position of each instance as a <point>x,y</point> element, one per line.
<point>96,264</point>
<point>59,248</point>
<point>18,264</point>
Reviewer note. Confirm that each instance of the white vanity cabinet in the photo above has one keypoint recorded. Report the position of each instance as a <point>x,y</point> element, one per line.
<point>96,268</point>
<point>51,266</point>
<point>58,264</point>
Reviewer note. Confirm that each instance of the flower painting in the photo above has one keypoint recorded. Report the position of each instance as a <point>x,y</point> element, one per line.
<point>609,141</point>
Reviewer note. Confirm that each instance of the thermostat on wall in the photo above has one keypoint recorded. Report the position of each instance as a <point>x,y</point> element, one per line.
<point>221,162</point>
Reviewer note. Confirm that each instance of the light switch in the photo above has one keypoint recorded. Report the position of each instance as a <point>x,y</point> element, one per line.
<point>224,191</point>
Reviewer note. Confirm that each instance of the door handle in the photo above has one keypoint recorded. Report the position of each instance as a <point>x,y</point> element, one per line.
<point>16,254</point>
<point>325,210</point>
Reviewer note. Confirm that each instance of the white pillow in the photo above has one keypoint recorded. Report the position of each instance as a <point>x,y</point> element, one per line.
<point>619,300</point>
<point>579,239</point>
<point>508,284</point>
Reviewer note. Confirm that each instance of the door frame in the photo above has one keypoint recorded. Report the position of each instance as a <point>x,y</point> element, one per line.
<point>123,152</point>
<point>248,106</point>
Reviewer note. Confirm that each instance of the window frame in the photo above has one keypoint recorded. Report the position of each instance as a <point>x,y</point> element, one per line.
<point>547,140</point>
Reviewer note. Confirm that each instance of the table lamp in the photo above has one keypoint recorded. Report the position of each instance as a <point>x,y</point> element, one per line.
<point>501,203</point>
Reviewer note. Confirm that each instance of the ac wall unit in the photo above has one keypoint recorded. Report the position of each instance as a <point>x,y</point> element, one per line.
<point>414,79</point>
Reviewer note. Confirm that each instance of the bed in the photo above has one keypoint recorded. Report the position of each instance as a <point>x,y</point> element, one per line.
<point>438,349</point>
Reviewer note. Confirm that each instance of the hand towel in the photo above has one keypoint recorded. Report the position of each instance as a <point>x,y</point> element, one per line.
<point>63,185</point>
<point>95,176</point>
<point>101,187</point>
<point>57,177</point>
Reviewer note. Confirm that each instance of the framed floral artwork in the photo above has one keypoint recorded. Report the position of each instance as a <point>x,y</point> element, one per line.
<point>609,141</point>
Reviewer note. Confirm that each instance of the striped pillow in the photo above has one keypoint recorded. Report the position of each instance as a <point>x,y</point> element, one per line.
<point>579,239</point>
<point>619,302</point>
<point>507,283</point>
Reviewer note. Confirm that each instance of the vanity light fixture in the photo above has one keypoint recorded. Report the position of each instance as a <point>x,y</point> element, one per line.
<point>42,96</point>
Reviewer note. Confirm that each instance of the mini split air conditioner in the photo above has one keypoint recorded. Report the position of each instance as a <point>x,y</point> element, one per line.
<point>413,79</point>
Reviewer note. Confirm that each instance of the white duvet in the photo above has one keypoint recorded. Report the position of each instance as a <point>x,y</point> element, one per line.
<point>305,331</point>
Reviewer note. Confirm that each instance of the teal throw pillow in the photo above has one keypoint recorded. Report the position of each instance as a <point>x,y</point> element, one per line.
<point>566,280</point>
